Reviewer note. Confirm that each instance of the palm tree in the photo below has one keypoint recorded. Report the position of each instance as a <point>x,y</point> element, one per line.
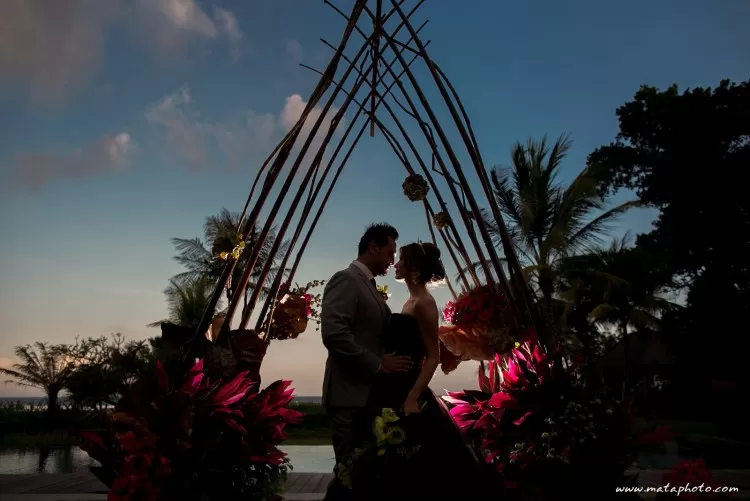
<point>547,221</point>
<point>617,287</point>
<point>187,300</point>
<point>45,367</point>
<point>222,234</point>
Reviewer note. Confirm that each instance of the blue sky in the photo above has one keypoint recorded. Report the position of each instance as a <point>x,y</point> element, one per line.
<point>125,123</point>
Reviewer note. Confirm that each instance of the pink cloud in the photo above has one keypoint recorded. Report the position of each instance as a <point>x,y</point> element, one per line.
<point>106,154</point>
<point>52,47</point>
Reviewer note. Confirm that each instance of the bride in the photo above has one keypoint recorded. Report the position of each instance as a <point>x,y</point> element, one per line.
<point>427,458</point>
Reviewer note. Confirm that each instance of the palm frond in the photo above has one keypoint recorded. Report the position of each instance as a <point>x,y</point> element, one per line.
<point>591,233</point>
<point>20,376</point>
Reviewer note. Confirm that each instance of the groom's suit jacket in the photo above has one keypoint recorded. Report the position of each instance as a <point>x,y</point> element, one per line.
<point>353,318</point>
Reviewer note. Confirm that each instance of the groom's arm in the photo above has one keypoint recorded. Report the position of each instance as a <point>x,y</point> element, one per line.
<point>337,319</point>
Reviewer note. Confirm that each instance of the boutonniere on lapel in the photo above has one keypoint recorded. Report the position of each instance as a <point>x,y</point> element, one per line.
<point>383,290</point>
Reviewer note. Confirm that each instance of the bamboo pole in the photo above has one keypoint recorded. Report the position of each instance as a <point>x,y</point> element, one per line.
<point>441,163</point>
<point>278,163</point>
<point>399,151</point>
<point>521,289</point>
<point>457,168</point>
<point>312,182</point>
<point>306,212</point>
<point>514,266</point>
<point>320,209</point>
<point>428,214</point>
<point>414,114</point>
<point>275,209</point>
<point>376,29</point>
<point>264,272</point>
<point>267,310</point>
<point>435,189</point>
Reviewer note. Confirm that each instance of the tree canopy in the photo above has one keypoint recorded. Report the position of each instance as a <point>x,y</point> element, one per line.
<point>684,153</point>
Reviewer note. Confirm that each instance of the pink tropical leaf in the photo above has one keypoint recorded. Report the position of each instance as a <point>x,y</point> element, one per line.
<point>161,376</point>
<point>520,420</point>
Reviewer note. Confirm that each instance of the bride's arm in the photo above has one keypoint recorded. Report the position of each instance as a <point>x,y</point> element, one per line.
<point>427,315</point>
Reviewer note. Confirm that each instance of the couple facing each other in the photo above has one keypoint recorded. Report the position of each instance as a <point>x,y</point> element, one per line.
<point>378,359</point>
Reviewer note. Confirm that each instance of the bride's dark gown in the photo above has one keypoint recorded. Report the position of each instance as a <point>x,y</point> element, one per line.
<point>443,467</point>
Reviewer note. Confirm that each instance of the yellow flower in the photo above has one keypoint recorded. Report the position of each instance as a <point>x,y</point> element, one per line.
<point>396,435</point>
<point>378,429</point>
<point>381,451</point>
<point>344,473</point>
<point>224,255</point>
<point>389,416</point>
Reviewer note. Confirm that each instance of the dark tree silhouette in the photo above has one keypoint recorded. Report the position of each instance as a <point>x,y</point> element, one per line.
<point>684,154</point>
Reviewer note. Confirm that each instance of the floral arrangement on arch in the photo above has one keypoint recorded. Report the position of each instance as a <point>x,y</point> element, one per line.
<point>480,324</point>
<point>192,436</point>
<point>293,310</point>
<point>543,432</point>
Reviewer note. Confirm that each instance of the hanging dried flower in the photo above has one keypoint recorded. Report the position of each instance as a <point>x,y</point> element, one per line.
<point>441,220</point>
<point>415,188</point>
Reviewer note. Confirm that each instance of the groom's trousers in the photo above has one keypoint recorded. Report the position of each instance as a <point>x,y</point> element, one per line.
<point>343,440</point>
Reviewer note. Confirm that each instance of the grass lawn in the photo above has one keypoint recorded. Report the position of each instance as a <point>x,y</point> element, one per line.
<point>36,440</point>
<point>26,429</point>
<point>304,436</point>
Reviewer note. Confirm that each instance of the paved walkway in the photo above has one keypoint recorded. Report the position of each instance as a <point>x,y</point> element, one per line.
<point>83,486</point>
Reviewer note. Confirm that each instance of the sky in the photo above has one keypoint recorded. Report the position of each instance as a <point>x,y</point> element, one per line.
<point>124,123</point>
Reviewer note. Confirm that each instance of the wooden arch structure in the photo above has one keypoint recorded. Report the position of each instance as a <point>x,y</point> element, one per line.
<point>373,79</point>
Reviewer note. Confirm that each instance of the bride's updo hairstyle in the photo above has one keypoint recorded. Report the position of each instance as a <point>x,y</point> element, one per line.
<point>423,260</point>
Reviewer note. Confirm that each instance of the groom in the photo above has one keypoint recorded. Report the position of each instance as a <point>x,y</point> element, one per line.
<point>354,315</point>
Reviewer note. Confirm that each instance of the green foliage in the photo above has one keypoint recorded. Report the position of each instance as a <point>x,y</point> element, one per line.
<point>619,287</point>
<point>29,425</point>
<point>260,481</point>
<point>38,440</point>
<point>26,425</point>
<point>107,367</point>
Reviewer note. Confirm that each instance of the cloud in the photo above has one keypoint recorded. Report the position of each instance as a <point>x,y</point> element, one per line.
<point>293,108</point>
<point>189,137</point>
<point>6,363</point>
<point>185,134</point>
<point>227,23</point>
<point>294,51</point>
<point>53,47</point>
<point>248,138</point>
<point>107,154</point>
<point>173,25</point>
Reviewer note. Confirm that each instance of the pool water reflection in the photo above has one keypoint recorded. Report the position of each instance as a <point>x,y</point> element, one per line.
<point>318,459</point>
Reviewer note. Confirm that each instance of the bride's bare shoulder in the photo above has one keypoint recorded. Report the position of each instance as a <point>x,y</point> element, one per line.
<point>425,303</point>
